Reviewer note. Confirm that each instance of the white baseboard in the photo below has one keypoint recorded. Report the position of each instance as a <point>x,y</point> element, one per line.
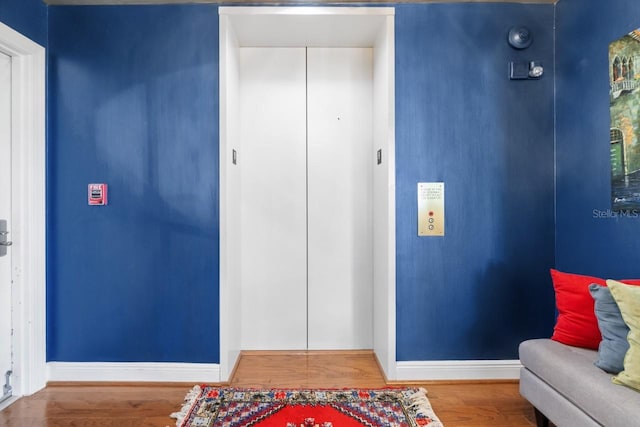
<point>458,370</point>
<point>210,372</point>
<point>6,403</point>
<point>134,372</point>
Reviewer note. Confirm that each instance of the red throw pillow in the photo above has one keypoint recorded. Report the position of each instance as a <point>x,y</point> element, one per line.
<point>577,324</point>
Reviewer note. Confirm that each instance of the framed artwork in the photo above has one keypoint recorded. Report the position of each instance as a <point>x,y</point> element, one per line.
<point>624,77</point>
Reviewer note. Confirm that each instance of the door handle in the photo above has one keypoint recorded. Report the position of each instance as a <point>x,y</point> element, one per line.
<point>4,242</point>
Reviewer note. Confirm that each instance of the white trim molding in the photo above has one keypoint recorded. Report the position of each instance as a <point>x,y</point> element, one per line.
<point>458,370</point>
<point>134,372</point>
<point>28,209</point>
<point>371,27</point>
<point>8,402</point>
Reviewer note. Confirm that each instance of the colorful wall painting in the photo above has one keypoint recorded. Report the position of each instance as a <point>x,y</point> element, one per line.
<point>624,77</point>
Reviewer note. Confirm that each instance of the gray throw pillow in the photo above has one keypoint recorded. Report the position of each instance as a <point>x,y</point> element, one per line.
<point>614,330</point>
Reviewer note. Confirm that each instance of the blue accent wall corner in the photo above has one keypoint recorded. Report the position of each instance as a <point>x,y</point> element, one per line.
<point>28,17</point>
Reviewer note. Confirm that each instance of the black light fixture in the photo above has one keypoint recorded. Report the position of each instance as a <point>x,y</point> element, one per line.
<point>525,70</point>
<point>520,37</point>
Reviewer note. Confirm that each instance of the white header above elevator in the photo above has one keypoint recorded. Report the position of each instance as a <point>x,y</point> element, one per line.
<point>307,26</point>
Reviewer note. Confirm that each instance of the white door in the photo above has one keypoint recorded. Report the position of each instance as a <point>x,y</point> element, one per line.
<point>5,218</point>
<point>272,158</point>
<point>340,167</point>
<point>306,163</point>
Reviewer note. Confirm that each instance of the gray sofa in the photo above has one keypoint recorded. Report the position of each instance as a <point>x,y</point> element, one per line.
<point>566,388</point>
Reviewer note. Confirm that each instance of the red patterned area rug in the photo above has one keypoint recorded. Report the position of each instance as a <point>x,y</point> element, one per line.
<point>238,407</point>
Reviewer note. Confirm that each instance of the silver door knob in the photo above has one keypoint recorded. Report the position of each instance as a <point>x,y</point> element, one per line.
<point>6,243</point>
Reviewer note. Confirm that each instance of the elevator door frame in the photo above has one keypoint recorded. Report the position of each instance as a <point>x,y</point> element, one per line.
<point>320,27</point>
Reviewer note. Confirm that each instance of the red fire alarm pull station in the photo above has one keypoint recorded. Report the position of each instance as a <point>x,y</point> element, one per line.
<point>97,194</point>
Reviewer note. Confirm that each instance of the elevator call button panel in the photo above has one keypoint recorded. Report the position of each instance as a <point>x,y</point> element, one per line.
<point>431,209</point>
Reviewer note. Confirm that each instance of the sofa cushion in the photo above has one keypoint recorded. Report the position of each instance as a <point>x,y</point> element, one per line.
<point>571,372</point>
<point>628,299</point>
<point>614,344</point>
<point>576,324</point>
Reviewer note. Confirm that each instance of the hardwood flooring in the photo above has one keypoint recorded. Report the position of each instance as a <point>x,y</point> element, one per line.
<point>308,369</point>
<point>476,404</point>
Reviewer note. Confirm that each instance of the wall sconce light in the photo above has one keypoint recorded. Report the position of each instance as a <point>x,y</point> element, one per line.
<point>535,69</point>
<point>525,70</point>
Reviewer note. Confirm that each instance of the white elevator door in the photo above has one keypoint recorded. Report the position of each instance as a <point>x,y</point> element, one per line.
<point>340,161</point>
<point>6,343</point>
<point>272,158</point>
<point>306,157</point>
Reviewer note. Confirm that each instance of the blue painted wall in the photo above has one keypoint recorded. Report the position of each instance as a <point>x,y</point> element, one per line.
<point>602,246</point>
<point>484,287</point>
<point>133,102</point>
<point>133,97</point>
<point>28,17</point>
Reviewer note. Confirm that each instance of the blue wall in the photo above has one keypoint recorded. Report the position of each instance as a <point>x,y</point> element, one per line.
<point>133,102</point>
<point>603,247</point>
<point>28,17</point>
<point>133,95</point>
<point>484,287</point>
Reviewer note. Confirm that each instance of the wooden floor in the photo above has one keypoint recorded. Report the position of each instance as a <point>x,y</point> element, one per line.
<point>124,405</point>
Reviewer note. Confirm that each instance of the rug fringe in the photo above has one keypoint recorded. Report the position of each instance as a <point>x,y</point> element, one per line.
<point>420,403</point>
<point>189,400</point>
